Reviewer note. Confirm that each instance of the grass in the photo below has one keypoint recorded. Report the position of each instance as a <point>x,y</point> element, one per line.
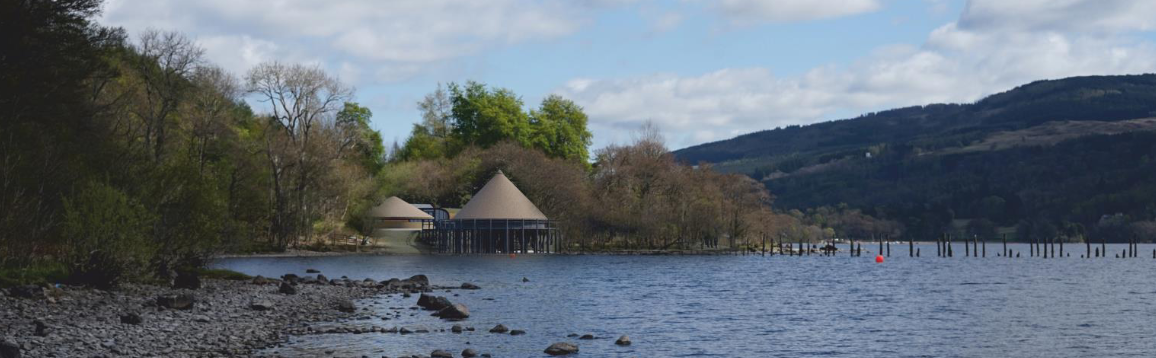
<point>33,275</point>
<point>223,274</point>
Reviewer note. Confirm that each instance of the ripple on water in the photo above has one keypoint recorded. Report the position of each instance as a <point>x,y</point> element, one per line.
<point>752,306</point>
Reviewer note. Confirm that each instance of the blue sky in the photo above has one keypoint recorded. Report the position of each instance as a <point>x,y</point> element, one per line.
<point>701,70</point>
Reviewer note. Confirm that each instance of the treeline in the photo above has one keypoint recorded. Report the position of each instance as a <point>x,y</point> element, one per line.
<point>131,158</point>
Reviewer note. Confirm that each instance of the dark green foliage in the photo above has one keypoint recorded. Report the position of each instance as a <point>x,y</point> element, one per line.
<point>107,236</point>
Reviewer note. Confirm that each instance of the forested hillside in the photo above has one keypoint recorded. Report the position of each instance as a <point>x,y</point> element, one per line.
<point>1063,158</point>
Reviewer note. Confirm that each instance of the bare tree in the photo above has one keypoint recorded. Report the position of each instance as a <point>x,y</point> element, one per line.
<point>300,98</point>
<point>166,61</point>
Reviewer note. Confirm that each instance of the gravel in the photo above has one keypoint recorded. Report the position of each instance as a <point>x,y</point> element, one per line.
<point>229,318</point>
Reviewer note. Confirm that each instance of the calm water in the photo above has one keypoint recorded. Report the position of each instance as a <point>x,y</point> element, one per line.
<point>751,306</point>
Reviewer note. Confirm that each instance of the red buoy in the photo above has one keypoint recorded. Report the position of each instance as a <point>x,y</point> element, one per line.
<point>879,258</point>
<point>513,255</point>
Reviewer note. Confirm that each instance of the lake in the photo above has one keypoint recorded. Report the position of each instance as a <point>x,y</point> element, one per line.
<point>753,306</point>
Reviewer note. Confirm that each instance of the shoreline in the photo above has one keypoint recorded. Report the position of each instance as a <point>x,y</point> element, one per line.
<point>225,317</point>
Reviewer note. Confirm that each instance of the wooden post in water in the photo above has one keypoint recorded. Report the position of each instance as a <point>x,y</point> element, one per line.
<point>910,245</point>
<point>966,248</point>
<point>880,239</point>
<point>917,252</point>
<point>939,246</point>
<point>1088,245</point>
<point>888,248</point>
<point>975,245</point>
<point>1104,246</point>
<point>1061,247</point>
<point>1005,245</point>
<point>984,248</point>
<point>949,253</point>
<point>1032,248</point>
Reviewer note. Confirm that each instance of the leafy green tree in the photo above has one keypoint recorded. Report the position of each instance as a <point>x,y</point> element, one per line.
<point>365,141</point>
<point>484,117</point>
<point>559,129</point>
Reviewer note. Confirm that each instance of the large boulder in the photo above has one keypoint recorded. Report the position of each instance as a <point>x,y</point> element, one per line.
<point>287,289</point>
<point>290,278</point>
<point>623,341</point>
<point>456,311</point>
<point>441,354</point>
<point>561,349</point>
<point>9,349</point>
<point>177,302</point>
<point>322,279</point>
<point>469,352</point>
<point>419,280</point>
<point>433,303</point>
<point>187,279</point>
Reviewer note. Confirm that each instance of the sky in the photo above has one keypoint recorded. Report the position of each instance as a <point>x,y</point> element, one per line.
<point>701,70</point>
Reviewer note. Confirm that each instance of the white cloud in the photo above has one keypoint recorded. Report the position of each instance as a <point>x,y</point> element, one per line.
<point>406,34</point>
<point>957,63</point>
<point>750,12</point>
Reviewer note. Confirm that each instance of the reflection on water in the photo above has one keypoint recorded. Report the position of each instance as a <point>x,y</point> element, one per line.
<point>752,306</point>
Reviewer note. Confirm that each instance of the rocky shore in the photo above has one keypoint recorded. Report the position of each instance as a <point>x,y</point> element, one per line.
<point>218,318</point>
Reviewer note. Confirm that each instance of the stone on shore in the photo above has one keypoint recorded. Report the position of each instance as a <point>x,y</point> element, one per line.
<point>27,291</point>
<point>457,328</point>
<point>433,303</point>
<point>290,277</point>
<point>469,352</point>
<point>177,302</point>
<point>346,306</point>
<point>188,280</point>
<point>499,329</point>
<point>454,312</point>
<point>261,305</point>
<point>260,280</point>
<point>561,349</point>
<point>287,289</point>
<point>587,336</point>
<point>131,318</point>
<point>623,341</point>
<point>421,279</point>
<point>9,349</point>
<point>322,279</point>
<point>441,354</point>
<point>470,286</point>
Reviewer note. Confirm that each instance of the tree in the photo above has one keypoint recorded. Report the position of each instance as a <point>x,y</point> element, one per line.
<point>165,61</point>
<point>559,129</point>
<point>484,117</point>
<point>354,119</point>
<point>299,99</point>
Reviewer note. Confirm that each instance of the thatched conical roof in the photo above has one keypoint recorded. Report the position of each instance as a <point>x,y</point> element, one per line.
<point>395,208</point>
<point>500,200</point>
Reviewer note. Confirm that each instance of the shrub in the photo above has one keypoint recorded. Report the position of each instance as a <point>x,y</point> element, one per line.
<point>107,236</point>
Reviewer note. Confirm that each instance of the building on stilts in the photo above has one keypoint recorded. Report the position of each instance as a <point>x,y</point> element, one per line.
<point>499,219</point>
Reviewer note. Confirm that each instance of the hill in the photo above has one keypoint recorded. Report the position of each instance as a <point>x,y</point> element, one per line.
<point>1062,157</point>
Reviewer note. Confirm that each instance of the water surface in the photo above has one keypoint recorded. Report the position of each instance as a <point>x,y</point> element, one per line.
<point>753,306</point>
